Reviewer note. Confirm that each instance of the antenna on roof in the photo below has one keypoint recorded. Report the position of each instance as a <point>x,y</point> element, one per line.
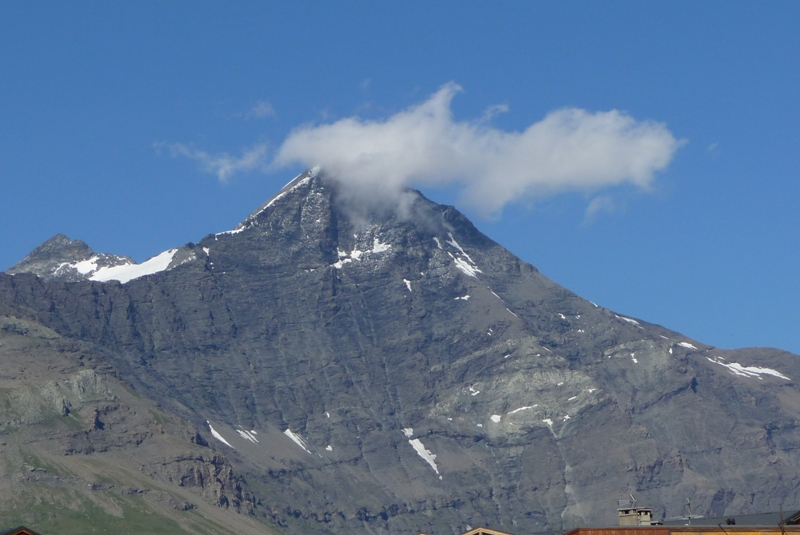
<point>783,532</point>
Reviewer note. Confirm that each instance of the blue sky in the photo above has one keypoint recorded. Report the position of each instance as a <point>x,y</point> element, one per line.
<point>96,96</point>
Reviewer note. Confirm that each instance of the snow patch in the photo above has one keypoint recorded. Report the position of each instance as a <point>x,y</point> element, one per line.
<point>548,421</point>
<point>747,371</point>
<point>378,247</point>
<point>633,358</point>
<point>496,418</point>
<point>85,267</point>
<point>329,448</point>
<point>297,440</point>
<point>438,243</point>
<point>247,436</point>
<point>218,436</point>
<point>455,244</point>
<point>356,254</point>
<point>408,432</point>
<point>463,298</point>
<point>465,267</point>
<point>473,392</point>
<point>408,284</point>
<point>509,310</point>
<point>629,320</point>
<point>687,345</point>
<point>523,408</point>
<point>129,272</point>
<point>426,454</point>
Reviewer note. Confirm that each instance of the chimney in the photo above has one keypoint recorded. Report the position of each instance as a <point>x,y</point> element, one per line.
<point>632,515</point>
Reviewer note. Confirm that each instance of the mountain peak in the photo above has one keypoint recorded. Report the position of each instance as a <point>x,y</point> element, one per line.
<point>63,259</point>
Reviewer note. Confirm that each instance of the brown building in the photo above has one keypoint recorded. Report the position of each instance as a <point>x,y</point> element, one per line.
<point>19,530</point>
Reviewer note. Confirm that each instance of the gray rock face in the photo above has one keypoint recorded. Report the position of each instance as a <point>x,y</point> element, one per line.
<point>379,373</point>
<point>62,259</point>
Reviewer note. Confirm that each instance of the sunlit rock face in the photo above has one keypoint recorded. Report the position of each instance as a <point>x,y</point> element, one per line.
<point>395,371</point>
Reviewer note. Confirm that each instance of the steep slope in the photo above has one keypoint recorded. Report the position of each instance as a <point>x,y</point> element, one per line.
<point>80,452</point>
<point>380,372</point>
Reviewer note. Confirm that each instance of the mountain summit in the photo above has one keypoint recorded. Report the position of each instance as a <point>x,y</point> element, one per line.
<point>398,371</point>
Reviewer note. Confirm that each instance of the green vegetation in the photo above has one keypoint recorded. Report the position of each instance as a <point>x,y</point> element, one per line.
<point>120,515</point>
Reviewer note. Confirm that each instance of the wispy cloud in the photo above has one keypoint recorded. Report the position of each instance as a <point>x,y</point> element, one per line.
<point>570,149</point>
<point>598,205</point>
<point>261,110</point>
<point>223,165</point>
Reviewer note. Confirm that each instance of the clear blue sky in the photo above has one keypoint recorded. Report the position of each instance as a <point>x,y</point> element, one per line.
<point>93,94</point>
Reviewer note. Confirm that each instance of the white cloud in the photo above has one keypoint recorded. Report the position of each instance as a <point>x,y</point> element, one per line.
<point>602,203</point>
<point>570,149</point>
<point>260,110</point>
<point>224,165</point>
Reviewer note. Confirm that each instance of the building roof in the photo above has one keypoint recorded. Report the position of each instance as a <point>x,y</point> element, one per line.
<point>19,530</point>
<point>786,518</point>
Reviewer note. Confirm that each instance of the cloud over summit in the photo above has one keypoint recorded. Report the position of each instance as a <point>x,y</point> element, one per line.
<point>570,149</point>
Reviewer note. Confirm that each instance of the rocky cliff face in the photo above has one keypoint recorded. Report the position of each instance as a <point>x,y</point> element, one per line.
<point>396,374</point>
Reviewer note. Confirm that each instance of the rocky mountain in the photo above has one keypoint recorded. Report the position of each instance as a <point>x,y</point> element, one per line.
<point>389,372</point>
<point>60,258</point>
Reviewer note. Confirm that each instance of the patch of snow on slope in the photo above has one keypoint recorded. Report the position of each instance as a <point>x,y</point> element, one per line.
<point>408,432</point>
<point>452,241</point>
<point>438,243</point>
<point>548,421</point>
<point>523,409</point>
<point>512,312</point>
<point>282,194</point>
<point>496,418</point>
<point>247,436</point>
<point>687,345</point>
<point>463,298</point>
<point>297,440</point>
<point>408,284</point>
<point>378,247</point>
<point>129,272</point>
<point>426,455</point>
<point>468,269</point>
<point>747,371</point>
<point>237,230</point>
<point>629,320</point>
<point>85,267</point>
<point>356,254</point>
<point>218,436</point>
